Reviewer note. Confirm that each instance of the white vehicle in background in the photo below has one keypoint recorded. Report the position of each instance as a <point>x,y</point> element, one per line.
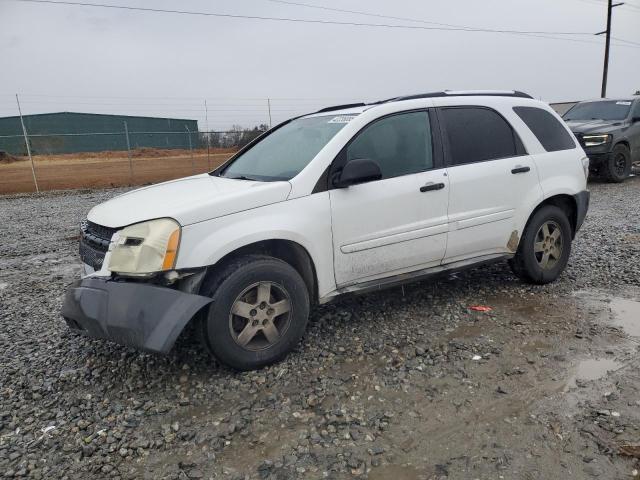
<point>347,199</point>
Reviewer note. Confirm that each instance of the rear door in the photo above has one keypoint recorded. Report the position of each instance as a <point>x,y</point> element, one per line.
<point>398,223</point>
<point>489,175</point>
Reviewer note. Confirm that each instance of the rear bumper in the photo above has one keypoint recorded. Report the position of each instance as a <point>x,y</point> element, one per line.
<point>144,316</point>
<point>582,203</point>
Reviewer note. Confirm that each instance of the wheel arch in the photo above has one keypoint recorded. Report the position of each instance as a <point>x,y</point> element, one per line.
<point>286,250</point>
<point>624,142</point>
<point>565,202</point>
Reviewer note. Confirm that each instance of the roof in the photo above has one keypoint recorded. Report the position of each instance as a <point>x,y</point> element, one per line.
<point>99,115</point>
<point>357,108</point>
<point>623,99</point>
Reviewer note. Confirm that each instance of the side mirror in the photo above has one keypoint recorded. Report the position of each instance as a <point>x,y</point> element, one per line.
<point>359,170</point>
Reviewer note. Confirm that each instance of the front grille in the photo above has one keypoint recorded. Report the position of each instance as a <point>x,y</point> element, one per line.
<point>94,243</point>
<point>99,231</point>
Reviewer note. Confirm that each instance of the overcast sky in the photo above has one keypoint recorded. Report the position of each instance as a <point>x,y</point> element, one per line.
<point>70,58</point>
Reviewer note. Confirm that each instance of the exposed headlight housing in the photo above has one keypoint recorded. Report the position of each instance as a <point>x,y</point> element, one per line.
<point>145,248</point>
<point>593,140</point>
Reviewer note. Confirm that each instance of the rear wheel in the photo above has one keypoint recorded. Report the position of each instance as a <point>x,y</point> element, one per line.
<point>545,247</point>
<point>259,312</point>
<point>618,166</point>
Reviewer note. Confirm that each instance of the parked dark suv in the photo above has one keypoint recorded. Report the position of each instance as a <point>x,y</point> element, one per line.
<point>609,132</point>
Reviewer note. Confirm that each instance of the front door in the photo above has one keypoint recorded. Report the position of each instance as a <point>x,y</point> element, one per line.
<point>396,224</point>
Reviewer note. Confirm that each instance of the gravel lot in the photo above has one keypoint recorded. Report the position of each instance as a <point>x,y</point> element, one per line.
<point>408,383</point>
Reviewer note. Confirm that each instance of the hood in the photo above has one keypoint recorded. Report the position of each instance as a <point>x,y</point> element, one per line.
<point>188,200</point>
<point>595,126</point>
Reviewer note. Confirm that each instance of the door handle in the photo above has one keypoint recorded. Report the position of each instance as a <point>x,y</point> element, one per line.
<point>431,186</point>
<point>520,170</point>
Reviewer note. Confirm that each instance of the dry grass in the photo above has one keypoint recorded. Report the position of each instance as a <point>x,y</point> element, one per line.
<point>105,169</point>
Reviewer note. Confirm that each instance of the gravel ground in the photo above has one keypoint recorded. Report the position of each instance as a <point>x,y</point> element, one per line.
<point>408,383</point>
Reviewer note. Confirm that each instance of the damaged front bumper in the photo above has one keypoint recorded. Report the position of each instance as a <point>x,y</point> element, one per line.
<point>141,315</point>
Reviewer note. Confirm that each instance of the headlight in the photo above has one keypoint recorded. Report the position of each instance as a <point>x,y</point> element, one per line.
<point>595,140</point>
<point>146,247</point>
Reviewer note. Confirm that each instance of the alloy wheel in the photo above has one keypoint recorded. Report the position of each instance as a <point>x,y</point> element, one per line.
<point>548,245</point>
<point>260,316</point>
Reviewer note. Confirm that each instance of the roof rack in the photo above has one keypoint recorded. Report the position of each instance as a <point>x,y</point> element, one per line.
<point>465,93</point>
<point>341,107</point>
<point>445,93</point>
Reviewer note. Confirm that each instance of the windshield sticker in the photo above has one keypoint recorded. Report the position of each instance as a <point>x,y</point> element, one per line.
<point>341,119</point>
<point>623,103</point>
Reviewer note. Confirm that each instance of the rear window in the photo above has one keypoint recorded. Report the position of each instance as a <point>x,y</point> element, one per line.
<point>548,130</point>
<point>478,134</point>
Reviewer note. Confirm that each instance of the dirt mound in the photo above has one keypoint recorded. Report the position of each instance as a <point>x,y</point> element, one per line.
<point>8,158</point>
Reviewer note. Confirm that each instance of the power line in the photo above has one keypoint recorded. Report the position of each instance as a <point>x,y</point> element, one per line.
<point>407,19</point>
<point>313,21</point>
<point>462,27</point>
<point>627,4</point>
<point>540,34</point>
<point>626,41</point>
<point>634,8</point>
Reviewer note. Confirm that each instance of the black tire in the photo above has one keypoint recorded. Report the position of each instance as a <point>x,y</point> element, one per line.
<point>220,330</point>
<point>618,167</point>
<point>528,263</point>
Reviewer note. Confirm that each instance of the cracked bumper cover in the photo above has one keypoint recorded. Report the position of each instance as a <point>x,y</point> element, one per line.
<point>140,315</point>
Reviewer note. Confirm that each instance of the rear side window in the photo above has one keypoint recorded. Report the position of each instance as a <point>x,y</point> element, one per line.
<point>478,134</point>
<point>547,128</point>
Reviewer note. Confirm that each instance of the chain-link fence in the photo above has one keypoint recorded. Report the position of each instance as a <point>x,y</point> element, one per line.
<point>45,151</point>
<point>48,161</point>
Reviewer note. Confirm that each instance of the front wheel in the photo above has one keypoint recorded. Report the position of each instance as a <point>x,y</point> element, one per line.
<point>259,312</point>
<point>545,247</point>
<point>618,166</point>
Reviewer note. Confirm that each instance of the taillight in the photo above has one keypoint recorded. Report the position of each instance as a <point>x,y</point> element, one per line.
<point>585,166</point>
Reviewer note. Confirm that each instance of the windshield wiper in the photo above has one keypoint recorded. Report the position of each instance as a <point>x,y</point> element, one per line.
<point>243,177</point>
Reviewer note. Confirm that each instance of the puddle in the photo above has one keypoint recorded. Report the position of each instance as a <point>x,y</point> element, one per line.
<point>626,315</point>
<point>592,369</point>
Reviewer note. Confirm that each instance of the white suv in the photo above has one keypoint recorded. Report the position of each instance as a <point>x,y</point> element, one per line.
<point>347,199</point>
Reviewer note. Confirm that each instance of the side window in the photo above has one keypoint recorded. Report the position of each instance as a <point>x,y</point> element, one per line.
<point>548,130</point>
<point>400,144</point>
<point>477,134</point>
<point>636,110</point>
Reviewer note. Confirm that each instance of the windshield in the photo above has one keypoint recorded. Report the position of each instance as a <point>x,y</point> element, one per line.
<point>608,110</point>
<point>285,152</point>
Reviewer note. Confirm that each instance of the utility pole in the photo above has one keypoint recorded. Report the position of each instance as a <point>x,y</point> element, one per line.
<point>607,33</point>
<point>193,167</point>
<point>26,141</point>
<point>206,119</point>
<point>269,108</point>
